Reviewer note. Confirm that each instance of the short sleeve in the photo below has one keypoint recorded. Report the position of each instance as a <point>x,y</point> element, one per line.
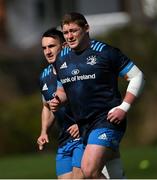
<point>118,60</point>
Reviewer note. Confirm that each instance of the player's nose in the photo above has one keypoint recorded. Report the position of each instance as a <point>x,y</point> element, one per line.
<point>48,51</point>
<point>70,35</point>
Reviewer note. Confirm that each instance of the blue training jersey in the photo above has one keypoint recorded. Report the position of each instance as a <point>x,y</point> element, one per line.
<point>90,79</point>
<point>48,86</point>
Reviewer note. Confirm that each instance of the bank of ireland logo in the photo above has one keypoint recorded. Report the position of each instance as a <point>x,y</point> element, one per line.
<point>91,60</point>
<point>75,71</point>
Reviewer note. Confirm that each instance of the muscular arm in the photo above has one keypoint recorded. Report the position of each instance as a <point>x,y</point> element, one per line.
<point>47,119</point>
<point>135,86</point>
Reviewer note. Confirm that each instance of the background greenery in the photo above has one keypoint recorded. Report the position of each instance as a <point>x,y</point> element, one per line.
<point>139,163</point>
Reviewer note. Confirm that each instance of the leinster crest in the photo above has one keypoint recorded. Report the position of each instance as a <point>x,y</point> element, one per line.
<point>91,60</point>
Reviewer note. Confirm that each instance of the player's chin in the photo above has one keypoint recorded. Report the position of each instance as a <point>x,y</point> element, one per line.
<point>51,60</point>
<point>73,45</point>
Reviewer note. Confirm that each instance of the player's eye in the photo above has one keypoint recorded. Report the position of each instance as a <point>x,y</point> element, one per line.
<point>75,30</point>
<point>65,32</point>
<point>51,46</point>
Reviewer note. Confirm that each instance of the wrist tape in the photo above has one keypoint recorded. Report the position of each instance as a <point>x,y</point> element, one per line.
<point>124,106</point>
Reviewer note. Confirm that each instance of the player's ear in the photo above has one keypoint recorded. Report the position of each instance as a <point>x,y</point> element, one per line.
<point>86,27</point>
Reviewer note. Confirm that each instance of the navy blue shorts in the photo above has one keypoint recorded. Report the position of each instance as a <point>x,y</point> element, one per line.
<point>69,156</point>
<point>105,137</point>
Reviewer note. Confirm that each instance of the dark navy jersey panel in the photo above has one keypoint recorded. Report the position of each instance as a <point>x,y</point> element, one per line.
<point>90,81</point>
<point>48,83</point>
<point>48,86</point>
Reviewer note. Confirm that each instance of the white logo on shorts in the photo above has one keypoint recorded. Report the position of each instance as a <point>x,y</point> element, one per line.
<point>103,136</point>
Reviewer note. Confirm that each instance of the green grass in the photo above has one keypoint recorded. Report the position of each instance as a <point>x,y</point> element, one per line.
<point>133,165</point>
<point>35,166</point>
<point>42,165</point>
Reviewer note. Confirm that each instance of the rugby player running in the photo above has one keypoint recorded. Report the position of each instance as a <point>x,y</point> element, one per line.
<point>70,150</point>
<point>89,70</point>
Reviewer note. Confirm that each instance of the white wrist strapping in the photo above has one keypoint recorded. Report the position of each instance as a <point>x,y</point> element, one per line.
<point>124,106</point>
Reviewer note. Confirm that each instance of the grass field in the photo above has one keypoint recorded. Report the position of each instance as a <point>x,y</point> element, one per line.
<point>139,163</point>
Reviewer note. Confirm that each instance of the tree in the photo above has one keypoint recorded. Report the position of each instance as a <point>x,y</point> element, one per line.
<point>2,20</point>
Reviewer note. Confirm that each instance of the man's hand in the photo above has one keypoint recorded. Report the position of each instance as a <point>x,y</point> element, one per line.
<point>54,103</point>
<point>116,115</point>
<point>43,138</point>
<point>74,131</point>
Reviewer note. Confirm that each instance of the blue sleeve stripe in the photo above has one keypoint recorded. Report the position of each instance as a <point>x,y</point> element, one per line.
<point>42,76</point>
<point>59,84</point>
<point>98,46</point>
<point>65,51</point>
<point>47,71</point>
<point>126,69</point>
<point>92,45</point>
<point>102,47</point>
<point>61,53</point>
<point>95,46</point>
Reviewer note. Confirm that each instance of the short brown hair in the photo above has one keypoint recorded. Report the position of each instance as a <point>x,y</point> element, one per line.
<point>75,17</point>
<point>54,33</point>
